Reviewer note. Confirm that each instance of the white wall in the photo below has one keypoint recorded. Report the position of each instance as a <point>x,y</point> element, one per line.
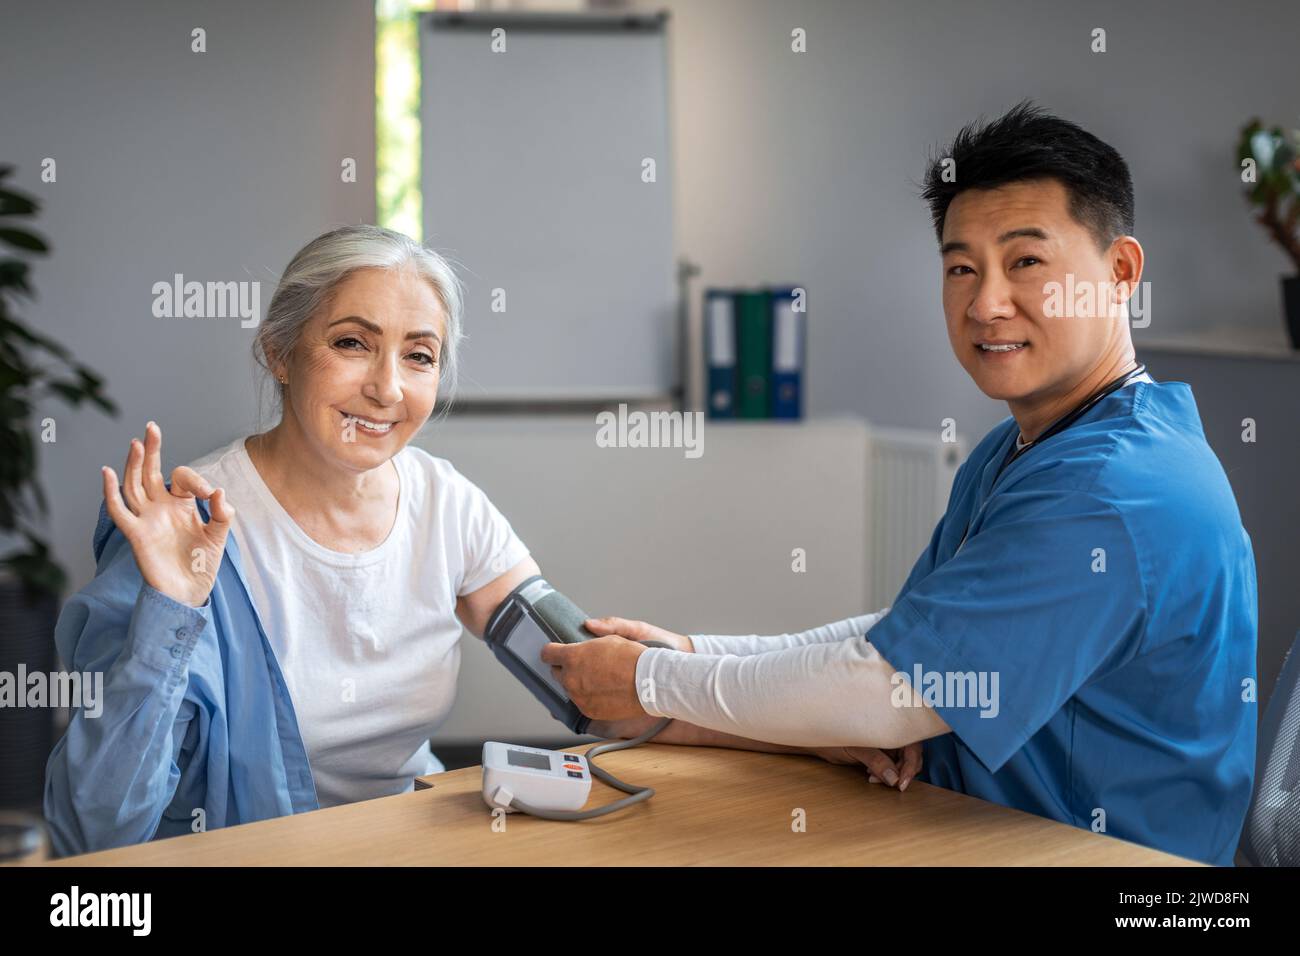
<point>217,165</point>
<point>703,545</point>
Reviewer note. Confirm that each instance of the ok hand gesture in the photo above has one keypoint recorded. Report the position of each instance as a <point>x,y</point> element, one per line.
<point>177,553</point>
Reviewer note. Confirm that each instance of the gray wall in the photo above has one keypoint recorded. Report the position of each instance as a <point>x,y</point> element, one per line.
<point>801,168</point>
<point>1264,474</point>
<point>217,165</point>
<point>787,168</point>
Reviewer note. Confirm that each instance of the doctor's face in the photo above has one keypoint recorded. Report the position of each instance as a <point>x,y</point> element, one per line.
<point>1001,249</point>
<point>364,375</point>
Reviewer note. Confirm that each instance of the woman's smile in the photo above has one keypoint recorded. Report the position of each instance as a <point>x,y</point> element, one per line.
<point>368,425</point>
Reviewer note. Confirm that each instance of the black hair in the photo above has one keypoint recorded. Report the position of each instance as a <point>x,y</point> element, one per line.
<point>1027,143</point>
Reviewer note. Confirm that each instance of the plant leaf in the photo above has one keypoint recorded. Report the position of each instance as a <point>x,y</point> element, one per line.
<point>34,338</point>
<point>70,392</point>
<point>21,239</point>
<point>16,204</point>
<point>13,275</point>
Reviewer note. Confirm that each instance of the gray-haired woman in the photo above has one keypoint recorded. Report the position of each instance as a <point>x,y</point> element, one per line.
<point>296,652</point>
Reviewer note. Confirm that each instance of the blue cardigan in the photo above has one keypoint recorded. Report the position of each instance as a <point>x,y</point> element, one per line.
<point>197,730</point>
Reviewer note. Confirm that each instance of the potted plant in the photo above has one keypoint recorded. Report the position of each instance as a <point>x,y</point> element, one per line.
<point>1270,163</point>
<point>32,366</point>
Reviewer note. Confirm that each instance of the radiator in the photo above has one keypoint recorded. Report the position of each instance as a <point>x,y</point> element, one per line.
<point>909,475</point>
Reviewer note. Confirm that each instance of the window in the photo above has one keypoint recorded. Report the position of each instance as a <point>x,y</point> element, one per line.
<point>397,114</point>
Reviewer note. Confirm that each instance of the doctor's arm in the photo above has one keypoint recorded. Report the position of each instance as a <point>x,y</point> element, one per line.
<point>475,609</point>
<point>741,644</point>
<point>897,768</point>
<point>836,694</point>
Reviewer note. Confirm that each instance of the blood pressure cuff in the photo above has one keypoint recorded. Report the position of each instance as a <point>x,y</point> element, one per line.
<point>533,615</point>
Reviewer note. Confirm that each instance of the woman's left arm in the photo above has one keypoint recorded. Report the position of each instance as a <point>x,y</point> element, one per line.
<point>474,609</point>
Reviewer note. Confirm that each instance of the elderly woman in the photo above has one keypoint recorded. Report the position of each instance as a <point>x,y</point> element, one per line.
<point>279,624</point>
<point>297,647</point>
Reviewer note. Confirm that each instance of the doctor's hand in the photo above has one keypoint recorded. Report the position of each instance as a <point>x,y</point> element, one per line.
<point>638,631</point>
<point>177,553</point>
<point>599,675</point>
<point>894,768</point>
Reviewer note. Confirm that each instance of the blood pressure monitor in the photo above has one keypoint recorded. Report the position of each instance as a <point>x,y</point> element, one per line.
<point>552,784</point>
<point>541,779</point>
<point>533,615</point>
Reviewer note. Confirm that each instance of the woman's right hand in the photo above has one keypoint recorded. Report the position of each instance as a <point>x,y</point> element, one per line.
<point>177,553</point>
<point>638,631</point>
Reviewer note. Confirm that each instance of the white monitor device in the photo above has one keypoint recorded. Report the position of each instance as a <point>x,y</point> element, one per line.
<point>540,779</point>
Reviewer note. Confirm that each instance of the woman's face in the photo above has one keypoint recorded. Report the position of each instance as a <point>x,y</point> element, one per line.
<point>363,377</point>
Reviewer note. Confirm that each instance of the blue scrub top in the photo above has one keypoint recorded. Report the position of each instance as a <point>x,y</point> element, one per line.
<point>1108,585</point>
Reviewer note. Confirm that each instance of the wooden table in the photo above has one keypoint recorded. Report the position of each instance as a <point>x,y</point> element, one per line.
<point>713,807</point>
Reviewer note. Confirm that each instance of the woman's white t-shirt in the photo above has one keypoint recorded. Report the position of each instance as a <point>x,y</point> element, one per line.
<point>369,643</point>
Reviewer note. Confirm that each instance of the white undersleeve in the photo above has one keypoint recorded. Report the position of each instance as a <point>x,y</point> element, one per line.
<point>744,644</point>
<point>835,693</point>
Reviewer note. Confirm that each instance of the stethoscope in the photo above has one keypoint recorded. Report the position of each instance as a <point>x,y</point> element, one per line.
<point>1058,426</point>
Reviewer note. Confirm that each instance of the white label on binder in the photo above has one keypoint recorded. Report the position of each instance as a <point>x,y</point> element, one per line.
<point>722,336</point>
<point>785,356</point>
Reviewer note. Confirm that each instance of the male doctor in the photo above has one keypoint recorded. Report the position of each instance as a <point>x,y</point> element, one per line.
<point>1078,637</point>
